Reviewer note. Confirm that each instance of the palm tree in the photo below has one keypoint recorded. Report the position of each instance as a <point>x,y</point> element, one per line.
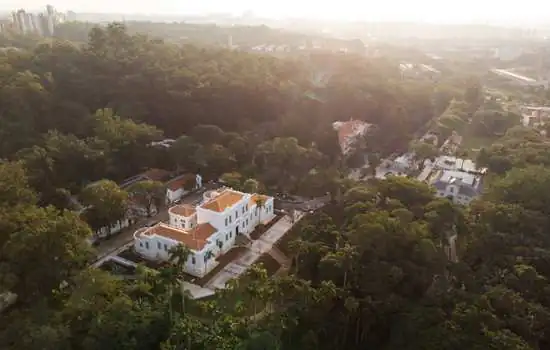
<point>296,248</point>
<point>179,255</point>
<point>260,203</point>
<point>207,256</point>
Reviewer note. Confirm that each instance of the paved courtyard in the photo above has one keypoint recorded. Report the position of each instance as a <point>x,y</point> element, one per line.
<point>259,247</point>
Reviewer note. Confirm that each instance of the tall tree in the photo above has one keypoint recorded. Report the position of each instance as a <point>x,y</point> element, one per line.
<point>105,202</point>
<point>149,194</point>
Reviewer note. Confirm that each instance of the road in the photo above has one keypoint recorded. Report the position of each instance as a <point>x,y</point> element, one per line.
<point>110,245</point>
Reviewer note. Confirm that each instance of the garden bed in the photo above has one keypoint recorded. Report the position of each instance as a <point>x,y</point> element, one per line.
<point>269,264</point>
<point>261,229</point>
<point>223,260</point>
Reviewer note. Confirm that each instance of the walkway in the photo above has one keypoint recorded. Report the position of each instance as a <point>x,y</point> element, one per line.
<point>423,176</point>
<point>259,247</point>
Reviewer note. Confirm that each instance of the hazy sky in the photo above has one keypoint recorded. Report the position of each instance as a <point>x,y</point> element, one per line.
<point>414,10</point>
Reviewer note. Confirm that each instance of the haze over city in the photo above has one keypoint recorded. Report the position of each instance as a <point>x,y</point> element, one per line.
<point>490,11</point>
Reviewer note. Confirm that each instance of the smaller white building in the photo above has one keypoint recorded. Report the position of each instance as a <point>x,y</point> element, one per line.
<point>459,186</point>
<point>456,164</point>
<point>208,230</point>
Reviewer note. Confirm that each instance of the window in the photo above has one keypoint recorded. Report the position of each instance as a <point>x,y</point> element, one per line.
<point>246,222</point>
<point>159,246</point>
<point>243,210</point>
<point>225,221</point>
<point>193,260</point>
<point>231,234</point>
<point>165,247</point>
<point>451,189</point>
<point>146,245</point>
<point>141,244</point>
<point>226,236</point>
<point>230,219</point>
<point>236,215</point>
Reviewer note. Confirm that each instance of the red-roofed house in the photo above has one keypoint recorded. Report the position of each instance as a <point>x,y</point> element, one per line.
<point>349,132</point>
<point>179,186</point>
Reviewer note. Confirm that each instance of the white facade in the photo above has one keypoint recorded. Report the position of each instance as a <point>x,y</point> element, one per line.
<point>453,163</point>
<point>112,229</point>
<point>461,187</point>
<point>208,230</point>
<point>174,195</point>
<point>158,245</point>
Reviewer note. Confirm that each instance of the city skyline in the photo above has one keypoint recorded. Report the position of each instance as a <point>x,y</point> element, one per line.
<point>468,11</point>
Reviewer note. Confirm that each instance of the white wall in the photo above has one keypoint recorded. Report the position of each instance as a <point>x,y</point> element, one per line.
<point>113,229</point>
<point>457,198</point>
<point>172,196</point>
<point>157,248</point>
<point>182,222</point>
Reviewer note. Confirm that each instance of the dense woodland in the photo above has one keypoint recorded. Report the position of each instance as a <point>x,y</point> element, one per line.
<point>244,37</point>
<point>370,271</point>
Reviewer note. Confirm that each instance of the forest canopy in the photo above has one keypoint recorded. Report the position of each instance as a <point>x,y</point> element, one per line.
<point>386,265</point>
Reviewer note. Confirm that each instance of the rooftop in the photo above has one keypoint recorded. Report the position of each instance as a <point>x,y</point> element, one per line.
<point>456,163</point>
<point>185,210</point>
<point>224,200</point>
<point>156,174</point>
<point>450,176</point>
<point>349,130</point>
<point>195,239</point>
<point>180,181</point>
<point>255,197</point>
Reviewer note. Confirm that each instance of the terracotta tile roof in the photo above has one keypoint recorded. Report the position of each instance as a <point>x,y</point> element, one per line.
<point>224,200</point>
<point>349,130</point>
<point>179,182</point>
<point>195,239</point>
<point>183,210</point>
<point>156,174</point>
<point>256,196</point>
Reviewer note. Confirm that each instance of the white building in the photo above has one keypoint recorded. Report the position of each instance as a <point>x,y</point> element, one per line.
<point>458,164</point>
<point>181,185</point>
<point>208,230</point>
<point>459,186</point>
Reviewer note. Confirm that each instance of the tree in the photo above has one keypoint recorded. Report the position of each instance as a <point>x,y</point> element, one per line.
<point>424,150</point>
<point>208,134</point>
<point>105,204</point>
<point>374,162</point>
<point>251,186</point>
<point>44,248</point>
<point>128,142</point>
<point>232,180</point>
<point>260,203</point>
<point>186,152</point>
<point>149,194</point>
<point>526,187</point>
<point>14,187</point>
